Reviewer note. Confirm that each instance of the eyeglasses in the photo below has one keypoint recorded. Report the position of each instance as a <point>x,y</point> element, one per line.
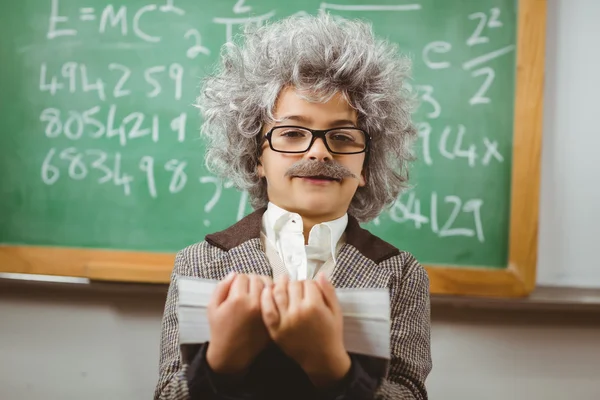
<point>297,139</point>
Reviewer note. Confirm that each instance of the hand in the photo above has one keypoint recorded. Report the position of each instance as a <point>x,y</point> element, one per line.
<point>305,319</point>
<point>237,331</point>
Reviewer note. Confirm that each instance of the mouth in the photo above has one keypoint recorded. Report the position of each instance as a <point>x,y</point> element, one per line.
<point>321,178</point>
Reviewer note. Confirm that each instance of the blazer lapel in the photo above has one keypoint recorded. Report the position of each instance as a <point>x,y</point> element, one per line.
<point>250,258</point>
<point>247,258</point>
<point>243,249</point>
<point>353,270</point>
<point>358,262</point>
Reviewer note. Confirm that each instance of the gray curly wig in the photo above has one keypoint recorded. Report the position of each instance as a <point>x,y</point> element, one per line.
<point>321,55</point>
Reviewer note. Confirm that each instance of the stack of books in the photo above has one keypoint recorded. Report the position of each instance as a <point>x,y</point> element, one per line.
<point>366,315</point>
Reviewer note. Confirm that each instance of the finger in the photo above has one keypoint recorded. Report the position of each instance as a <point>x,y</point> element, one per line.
<point>284,278</point>
<point>295,293</point>
<point>222,290</point>
<point>270,315</point>
<point>240,285</point>
<point>313,293</point>
<point>256,286</point>
<point>328,292</point>
<point>280,294</point>
<point>266,280</point>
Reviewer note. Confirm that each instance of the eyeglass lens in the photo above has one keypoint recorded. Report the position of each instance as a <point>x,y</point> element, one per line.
<point>343,140</point>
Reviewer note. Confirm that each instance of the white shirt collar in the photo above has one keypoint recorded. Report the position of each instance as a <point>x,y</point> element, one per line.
<point>276,217</point>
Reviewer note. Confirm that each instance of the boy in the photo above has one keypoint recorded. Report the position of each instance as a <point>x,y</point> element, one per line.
<point>309,116</point>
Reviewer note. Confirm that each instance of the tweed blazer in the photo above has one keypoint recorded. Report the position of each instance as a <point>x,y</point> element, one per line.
<point>364,261</point>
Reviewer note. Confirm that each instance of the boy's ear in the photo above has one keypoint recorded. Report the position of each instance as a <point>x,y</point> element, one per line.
<point>364,175</point>
<point>362,180</point>
<point>260,170</point>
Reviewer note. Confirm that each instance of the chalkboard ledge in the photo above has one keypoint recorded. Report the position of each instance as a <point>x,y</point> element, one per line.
<point>543,298</point>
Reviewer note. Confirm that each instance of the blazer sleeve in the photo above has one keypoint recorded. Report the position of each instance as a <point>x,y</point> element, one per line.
<point>183,371</point>
<point>410,362</point>
<point>172,380</point>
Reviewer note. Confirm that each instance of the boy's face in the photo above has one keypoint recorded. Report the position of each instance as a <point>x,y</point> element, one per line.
<point>317,199</point>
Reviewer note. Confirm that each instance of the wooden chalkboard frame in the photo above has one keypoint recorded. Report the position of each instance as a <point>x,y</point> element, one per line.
<point>517,280</point>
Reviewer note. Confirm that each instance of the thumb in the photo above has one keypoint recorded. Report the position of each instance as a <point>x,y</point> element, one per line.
<point>222,290</point>
<point>270,314</point>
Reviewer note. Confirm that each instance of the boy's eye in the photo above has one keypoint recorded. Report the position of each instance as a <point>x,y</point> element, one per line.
<point>292,133</point>
<point>341,137</point>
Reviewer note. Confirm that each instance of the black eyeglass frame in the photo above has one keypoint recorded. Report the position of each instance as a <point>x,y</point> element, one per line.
<point>316,133</point>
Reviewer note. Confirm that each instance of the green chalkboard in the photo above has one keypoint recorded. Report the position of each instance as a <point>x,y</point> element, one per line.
<point>99,143</point>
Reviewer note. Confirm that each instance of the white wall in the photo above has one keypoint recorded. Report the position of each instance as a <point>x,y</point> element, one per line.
<point>570,193</point>
<point>62,345</point>
<point>494,355</point>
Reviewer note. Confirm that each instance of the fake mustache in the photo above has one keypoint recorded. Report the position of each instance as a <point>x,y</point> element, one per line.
<point>319,169</point>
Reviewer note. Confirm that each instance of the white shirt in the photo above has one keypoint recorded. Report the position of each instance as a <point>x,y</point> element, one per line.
<point>284,230</point>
